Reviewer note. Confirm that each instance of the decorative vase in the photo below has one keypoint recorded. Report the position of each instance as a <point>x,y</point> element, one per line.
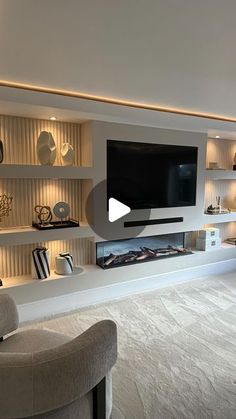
<point>46,149</point>
<point>1,151</point>
<point>64,264</point>
<point>67,154</point>
<point>40,266</point>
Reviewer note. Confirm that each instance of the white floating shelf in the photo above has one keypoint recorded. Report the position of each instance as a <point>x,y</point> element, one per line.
<point>15,171</point>
<point>225,247</point>
<point>26,235</point>
<point>219,218</point>
<point>221,174</point>
<point>17,281</point>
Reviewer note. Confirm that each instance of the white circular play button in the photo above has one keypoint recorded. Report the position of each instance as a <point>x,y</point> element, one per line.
<point>117,209</point>
<point>108,217</point>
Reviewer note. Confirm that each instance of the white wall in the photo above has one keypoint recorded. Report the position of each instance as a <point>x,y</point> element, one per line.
<point>175,53</point>
<point>101,131</point>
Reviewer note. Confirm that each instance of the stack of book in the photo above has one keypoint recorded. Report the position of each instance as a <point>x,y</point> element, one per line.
<point>208,239</point>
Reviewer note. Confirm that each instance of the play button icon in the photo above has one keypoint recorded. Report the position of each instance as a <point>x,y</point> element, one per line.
<point>107,215</point>
<point>117,210</point>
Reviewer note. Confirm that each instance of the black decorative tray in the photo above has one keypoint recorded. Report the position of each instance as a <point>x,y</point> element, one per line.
<point>56,224</point>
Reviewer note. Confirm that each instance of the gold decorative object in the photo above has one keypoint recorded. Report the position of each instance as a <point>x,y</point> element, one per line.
<point>44,213</point>
<point>5,206</point>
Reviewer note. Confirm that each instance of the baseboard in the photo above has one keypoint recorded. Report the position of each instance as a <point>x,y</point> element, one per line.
<point>63,304</point>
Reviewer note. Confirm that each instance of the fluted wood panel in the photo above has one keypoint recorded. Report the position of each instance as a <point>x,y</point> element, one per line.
<point>221,151</point>
<point>30,192</point>
<point>226,189</point>
<point>16,260</point>
<point>20,135</point>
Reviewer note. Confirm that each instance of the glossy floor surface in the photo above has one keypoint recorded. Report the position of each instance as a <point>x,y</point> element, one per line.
<point>177,350</point>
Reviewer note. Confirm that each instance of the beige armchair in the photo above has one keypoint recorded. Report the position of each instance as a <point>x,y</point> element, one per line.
<point>44,374</point>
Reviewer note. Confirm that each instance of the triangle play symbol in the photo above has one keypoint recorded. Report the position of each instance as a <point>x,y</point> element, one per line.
<point>117,210</point>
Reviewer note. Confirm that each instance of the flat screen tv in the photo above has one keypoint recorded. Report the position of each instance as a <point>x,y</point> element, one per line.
<point>147,175</point>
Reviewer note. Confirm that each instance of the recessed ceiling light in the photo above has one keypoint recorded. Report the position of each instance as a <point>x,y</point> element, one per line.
<point>53,118</point>
<point>217,136</point>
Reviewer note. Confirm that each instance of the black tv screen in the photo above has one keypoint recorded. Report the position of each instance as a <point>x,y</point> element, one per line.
<point>146,175</point>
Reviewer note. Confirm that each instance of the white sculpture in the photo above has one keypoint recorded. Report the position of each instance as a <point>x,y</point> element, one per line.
<point>67,154</point>
<point>46,149</point>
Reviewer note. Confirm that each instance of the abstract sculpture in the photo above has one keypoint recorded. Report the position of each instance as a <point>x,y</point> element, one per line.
<point>46,149</point>
<point>44,214</point>
<point>67,154</point>
<point>5,206</point>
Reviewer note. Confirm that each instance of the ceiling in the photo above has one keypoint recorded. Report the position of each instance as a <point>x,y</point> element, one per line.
<point>173,53</point>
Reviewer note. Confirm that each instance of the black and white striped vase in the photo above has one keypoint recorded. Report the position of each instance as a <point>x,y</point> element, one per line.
<point>64,264</point>
<point>40,266</point>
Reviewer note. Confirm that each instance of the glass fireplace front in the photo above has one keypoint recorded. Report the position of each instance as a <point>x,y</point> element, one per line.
<point>111,254</point>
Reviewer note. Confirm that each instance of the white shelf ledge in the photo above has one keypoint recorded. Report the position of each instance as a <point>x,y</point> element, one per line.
<point>28,235</point>
<point>221,174</point>
<point>20,280</point>
<point>15,171</point>
<point>219,218</point>
<point>93,277</point>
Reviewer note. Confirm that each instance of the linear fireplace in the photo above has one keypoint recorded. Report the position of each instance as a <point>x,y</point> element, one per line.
<point>111,254</point>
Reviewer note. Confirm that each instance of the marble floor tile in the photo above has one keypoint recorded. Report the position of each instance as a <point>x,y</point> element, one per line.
<point>177,350</point>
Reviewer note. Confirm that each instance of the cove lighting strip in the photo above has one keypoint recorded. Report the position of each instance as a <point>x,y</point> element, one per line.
<point>113,101</point>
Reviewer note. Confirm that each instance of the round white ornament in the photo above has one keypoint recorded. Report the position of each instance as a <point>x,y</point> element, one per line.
<point>61,210</point>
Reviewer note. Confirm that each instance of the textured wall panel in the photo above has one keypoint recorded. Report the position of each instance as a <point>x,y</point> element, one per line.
<point>30,192</point>
<point>20,135</point>
<point>226,189</point>
<point>16,260</point>
<point>221,151</point>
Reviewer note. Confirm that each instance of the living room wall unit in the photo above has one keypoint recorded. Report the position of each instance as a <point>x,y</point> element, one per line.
<point>31,184</point>
<point>221,182</point>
